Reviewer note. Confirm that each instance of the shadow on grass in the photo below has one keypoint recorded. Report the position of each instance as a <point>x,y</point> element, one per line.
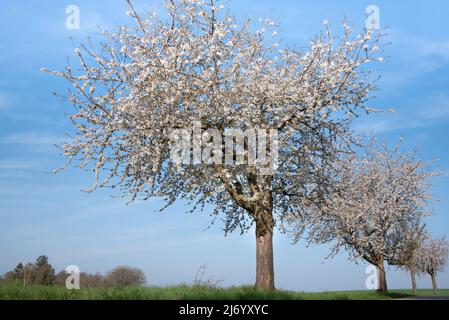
<point>398,295</point>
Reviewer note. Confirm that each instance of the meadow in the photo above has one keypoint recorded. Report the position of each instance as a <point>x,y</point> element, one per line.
<point>15,291</point>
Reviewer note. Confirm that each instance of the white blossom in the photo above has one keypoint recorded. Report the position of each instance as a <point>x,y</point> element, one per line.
<point>199,66</point>
<point>378,198</point>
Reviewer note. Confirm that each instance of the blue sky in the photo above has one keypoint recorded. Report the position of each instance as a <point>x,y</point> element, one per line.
<point>42,213</point>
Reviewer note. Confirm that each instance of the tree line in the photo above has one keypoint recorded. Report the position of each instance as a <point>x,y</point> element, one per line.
<point>376,209</point>
<point>41,272</point>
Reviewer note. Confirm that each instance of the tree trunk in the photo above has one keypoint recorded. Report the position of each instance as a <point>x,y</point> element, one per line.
<point>413,276</point>
<point>382,288</point>
<point>264,251</point>
<point>434,283</point>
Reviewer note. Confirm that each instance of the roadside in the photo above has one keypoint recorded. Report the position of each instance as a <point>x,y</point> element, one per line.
<point>427,298</point>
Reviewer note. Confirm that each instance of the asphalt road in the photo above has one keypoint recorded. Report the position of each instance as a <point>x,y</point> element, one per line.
<point>427,298</point>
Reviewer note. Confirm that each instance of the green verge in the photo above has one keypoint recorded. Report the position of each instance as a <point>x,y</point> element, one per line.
<point>15,291</point>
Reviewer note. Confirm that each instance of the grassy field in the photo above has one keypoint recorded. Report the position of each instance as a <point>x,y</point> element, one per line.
<point>17,292</point>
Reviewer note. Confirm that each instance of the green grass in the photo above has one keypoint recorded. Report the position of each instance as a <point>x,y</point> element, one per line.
<point>15,291</point>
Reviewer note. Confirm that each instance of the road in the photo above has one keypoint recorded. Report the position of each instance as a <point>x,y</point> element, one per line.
<point>427,298</point>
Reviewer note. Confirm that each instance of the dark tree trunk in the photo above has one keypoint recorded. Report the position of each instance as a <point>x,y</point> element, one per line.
<point>434,282</point>
<point>264,251</point>
<point>382,288</point>
<point>413,276</point>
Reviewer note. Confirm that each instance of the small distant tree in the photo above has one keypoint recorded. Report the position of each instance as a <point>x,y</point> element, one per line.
<point>21,273</point>
<point>123,276</point>
<point>43,272</point>
<point>60,278</point>
<point>40,272</point>
<point>28,272</point>
<point>87,280</point>
<point>16,274</point>
<point>433,258</point>
<point>407,242</point>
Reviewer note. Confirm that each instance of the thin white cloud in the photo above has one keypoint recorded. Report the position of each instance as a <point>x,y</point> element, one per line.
<point>438,110</point>
<point>31,138</point>
<point>420,47</point>
<point>12,164</point>
<point>9,175</point>
<point>418,56</point>
<point>92,23</point>
<point>423,47</point>
<point>414,117</point>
